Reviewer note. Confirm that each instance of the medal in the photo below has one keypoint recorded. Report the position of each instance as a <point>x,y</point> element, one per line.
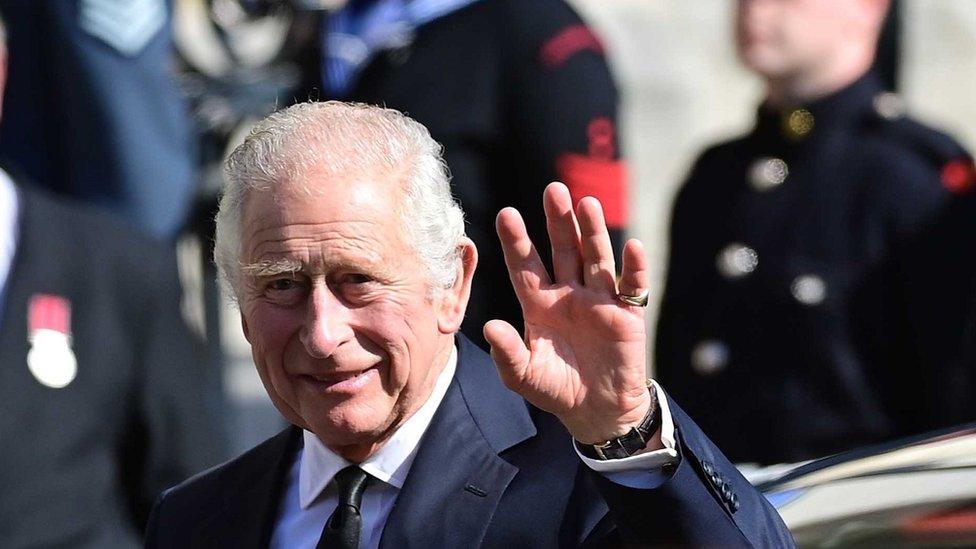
<point>50,359</point>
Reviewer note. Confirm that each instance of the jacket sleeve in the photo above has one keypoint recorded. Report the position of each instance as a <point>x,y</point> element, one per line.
<point>705,503</point>
<point>932,222</point>
<point>564,106</point>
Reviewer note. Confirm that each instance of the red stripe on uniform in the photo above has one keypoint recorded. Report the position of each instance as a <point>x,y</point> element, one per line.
<point>567,43</point>
<point>603,179</point>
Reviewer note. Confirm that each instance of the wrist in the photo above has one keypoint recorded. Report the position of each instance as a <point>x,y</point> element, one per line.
<point>629,437</point>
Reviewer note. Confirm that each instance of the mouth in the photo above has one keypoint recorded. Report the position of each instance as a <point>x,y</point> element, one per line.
<point>340,382</point>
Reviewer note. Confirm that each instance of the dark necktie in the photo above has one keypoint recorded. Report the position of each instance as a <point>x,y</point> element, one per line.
<point>344,526</point>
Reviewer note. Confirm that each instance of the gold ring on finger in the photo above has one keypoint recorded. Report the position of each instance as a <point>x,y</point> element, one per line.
<point>639,300</point>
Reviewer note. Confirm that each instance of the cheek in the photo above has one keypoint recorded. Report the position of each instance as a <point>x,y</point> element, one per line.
<point>407,333</point>
<point>271,329</point>
<point>807,33</point>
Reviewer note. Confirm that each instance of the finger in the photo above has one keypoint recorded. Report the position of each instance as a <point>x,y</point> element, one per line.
<point>526,270</point>
<point>508,351</point>
<point>634,279</point>
<point>598,265</point>
<point>563,233</point>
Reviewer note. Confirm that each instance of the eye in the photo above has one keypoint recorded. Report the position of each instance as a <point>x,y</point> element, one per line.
<point>354,287</point>
<point>282,284</point>
<point>356,278</point>
<point>285,291</point>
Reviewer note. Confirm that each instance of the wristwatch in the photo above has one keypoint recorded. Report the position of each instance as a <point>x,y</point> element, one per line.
<point>631,443</point>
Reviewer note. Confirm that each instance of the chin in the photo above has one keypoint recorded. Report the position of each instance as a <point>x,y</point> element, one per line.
<point>349,425</point>
<point>762,61</point>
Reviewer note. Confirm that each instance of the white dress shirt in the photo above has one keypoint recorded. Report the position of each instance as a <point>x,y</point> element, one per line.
<point>310,497</point>
<point>8,230</point>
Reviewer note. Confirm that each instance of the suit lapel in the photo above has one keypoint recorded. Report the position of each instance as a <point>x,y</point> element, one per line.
<point>250,509</point>
<point>458,478</point>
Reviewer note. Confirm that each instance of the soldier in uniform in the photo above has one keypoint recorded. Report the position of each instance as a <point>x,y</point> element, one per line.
<point>816,295</point>
<point>519,93</point>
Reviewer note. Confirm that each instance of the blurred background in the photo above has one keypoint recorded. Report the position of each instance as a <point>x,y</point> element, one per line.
<point>198,73</point>
<point>683,87</point>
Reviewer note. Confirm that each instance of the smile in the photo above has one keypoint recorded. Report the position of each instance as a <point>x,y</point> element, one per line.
<point>349,382</point>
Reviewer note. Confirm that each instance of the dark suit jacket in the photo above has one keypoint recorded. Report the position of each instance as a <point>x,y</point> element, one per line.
<point>491,471</point>
<point>81,466</point>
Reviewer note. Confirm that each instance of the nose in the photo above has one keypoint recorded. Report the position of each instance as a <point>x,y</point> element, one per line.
<point>326,322</point>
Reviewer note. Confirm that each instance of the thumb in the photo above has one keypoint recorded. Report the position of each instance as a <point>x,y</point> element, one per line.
<point>508,351</point>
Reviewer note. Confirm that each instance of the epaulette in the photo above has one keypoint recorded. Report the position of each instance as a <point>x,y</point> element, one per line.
<point>956,167</point>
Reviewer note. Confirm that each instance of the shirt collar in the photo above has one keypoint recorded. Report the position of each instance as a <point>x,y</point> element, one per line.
<point>8,227</point>
<point>393,460</point>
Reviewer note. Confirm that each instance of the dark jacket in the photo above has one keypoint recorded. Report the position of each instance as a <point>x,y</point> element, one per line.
<point>491,471</point>
<point>817,288</point>
<point>80,466</point>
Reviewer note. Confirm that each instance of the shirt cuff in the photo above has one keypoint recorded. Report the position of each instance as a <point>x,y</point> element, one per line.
<point>642,470</point>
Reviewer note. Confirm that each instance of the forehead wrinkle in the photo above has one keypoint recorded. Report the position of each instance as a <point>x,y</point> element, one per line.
<point>333,245</point>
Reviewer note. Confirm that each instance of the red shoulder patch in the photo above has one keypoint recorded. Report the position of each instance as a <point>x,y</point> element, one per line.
<point>604,179</point>
<point>567,43</point>
<point>959,176</point>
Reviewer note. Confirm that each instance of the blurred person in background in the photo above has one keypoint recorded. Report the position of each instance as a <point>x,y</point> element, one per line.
<point>817,289</point>
<point>104,400</point>
<point>93,110</point>
<point>519,93</point>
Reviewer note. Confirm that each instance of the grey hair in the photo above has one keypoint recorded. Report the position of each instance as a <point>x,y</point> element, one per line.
<point>347,140</point>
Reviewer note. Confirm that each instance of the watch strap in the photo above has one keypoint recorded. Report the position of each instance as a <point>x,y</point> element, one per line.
<point>633,441</point>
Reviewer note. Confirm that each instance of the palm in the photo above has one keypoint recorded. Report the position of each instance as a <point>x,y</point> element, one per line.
<point>582,356</point>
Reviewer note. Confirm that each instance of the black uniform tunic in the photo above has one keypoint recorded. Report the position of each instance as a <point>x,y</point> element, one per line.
<point>818,284</point>
<point>520,94</point>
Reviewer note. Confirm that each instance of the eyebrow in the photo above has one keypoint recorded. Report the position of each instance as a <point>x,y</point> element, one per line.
<point>272,267</point>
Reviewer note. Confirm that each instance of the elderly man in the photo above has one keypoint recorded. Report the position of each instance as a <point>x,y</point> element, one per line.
<point>346,251</point>
<point>815,298</point>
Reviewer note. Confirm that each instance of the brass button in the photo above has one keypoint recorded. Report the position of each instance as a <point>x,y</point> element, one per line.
<point>809,289</point>
<point>798,124</point>
<point>736,261</point>
<point>709,357</point>
<point>767,173</point>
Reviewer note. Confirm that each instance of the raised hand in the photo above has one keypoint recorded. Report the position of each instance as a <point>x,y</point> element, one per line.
<point>582,357</point>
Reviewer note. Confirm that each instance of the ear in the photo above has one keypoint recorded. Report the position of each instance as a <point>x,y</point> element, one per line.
<point>247,332</point>
<point>454,300</point>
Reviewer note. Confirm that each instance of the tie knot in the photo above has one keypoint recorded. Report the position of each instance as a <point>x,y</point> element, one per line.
<point>343,528</point>
<point>351,482</point>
